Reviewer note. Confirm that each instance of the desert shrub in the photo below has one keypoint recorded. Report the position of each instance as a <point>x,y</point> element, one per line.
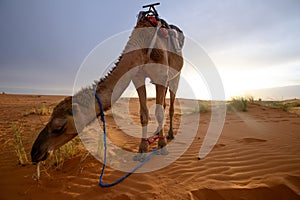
<point>294,104</point>
<point>239,104</point>
<point>282,106</point>
<point>203,107</point>
<point>285,106</point>
<point>250,99</point>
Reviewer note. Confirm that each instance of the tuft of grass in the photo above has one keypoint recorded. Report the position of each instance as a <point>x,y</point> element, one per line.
<point>250,99</point>
<point>57,159</point>
<point>240,104</point>
<point>43,110</point>
<point>65,152</point>
<point>284,106</point>
<point>203,107</point>
<point>18,145</point>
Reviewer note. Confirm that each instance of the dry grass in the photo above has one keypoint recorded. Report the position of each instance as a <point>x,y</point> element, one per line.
<point>18,145</point>
<point>284,106</point>
<point>43,110</point>
<point>56,161</point>
<point>288,105</point>
<point>65,152</point>
<point>239,104</point>
<point>201,107</point>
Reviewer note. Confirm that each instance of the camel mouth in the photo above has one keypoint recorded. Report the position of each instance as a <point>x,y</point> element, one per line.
<point>38,151</point>
<point>38,157</point>
<point>41,151</point>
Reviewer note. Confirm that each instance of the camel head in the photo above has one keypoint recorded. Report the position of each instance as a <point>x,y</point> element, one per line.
<point>59,130</point>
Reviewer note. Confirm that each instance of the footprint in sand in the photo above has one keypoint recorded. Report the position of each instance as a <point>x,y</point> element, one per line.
<point>251,140</point>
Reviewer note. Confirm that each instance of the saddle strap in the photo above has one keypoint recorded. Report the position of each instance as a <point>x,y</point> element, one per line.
<point>153,39</point>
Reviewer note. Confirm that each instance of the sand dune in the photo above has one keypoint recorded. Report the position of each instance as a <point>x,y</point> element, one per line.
<point>256,157</point>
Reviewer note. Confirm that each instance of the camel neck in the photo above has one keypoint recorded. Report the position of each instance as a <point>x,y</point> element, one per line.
<point>111,87</point>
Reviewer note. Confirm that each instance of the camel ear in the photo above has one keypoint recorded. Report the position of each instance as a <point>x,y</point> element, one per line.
<point>77,116</point>
<point>75,109</point>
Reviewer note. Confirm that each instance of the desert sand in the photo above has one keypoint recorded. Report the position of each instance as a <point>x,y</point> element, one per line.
<point>256,157</point>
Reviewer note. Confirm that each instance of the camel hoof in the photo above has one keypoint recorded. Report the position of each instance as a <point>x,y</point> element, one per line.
<point>163,151</point>
<point>170,137</point>
<point>156,132</point>
<point>139,157</point>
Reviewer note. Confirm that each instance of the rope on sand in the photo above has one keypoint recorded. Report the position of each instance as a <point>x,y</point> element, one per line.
<point>105,149</point>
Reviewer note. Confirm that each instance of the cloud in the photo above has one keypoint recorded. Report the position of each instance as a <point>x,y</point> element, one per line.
<point>52,38</point>
<point>248,33</point>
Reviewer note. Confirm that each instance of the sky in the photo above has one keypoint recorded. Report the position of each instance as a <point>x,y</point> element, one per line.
<point>253,44</point>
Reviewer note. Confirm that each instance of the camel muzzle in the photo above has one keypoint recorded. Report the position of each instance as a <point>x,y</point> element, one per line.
<point>38,151</point>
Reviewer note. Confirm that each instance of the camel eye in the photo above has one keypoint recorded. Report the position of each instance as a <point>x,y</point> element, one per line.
<point>58,125</point>
<point>58,130</point>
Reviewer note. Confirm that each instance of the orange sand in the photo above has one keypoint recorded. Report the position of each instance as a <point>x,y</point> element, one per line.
<point>256,157</point>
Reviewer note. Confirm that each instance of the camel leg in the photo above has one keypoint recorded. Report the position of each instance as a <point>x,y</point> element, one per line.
<point>171,114</point>
<point>165,105</point>
<point>144,116</point>
<point>159,113</point>
<point>173,86</point>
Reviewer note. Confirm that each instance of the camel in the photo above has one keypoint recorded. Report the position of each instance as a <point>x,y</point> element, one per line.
<point>149,53</point>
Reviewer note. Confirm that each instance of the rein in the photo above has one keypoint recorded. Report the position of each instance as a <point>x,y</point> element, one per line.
<point>102,117</point>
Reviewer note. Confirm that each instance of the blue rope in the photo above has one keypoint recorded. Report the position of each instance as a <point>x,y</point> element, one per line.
<point>105,148</point>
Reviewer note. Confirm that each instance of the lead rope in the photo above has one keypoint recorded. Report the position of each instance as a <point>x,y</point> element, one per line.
<point>105,148</point>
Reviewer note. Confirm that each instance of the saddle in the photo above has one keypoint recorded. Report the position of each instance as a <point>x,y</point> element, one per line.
<point>169,31</point>
<point>173,33</point>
